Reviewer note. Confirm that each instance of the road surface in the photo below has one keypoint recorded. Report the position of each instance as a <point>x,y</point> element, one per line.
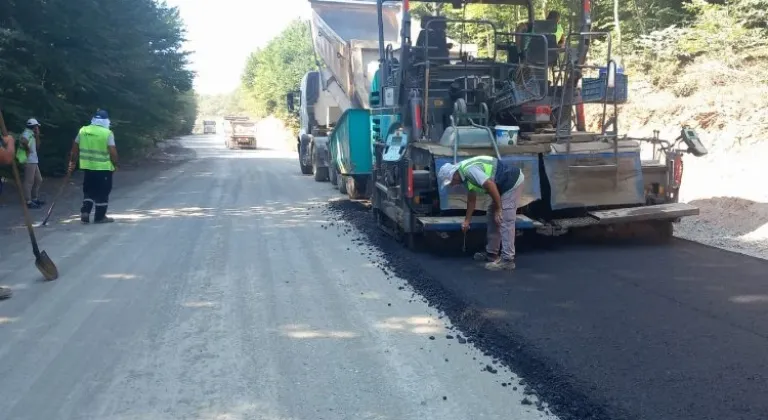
<point>230,288</point>
<point>218,294</point>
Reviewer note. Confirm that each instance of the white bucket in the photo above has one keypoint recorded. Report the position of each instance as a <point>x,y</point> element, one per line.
<point>507,134</point>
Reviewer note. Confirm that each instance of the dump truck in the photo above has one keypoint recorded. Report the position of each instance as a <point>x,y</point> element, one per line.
<point>209,127</point>
<point>338,97</point>
<point>239,133</point>
<point>525,105</point>
<point>345,40</point>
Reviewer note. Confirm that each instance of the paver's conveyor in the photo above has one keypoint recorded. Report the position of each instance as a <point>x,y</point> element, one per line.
<point>345,35</point>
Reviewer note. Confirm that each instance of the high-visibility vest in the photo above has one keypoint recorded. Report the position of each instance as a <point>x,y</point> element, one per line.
<point>94,149</point>
<point>486,163</point>
<point>21,154</point>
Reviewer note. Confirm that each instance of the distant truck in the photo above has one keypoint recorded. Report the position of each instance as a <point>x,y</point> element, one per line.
<point>209,127</point>
<point>239,133</point>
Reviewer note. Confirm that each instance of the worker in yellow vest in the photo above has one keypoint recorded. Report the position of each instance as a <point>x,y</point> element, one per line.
<point>27,155</point>
<point>95,148</point>
<point>503,182</point>
<point>554,16</point>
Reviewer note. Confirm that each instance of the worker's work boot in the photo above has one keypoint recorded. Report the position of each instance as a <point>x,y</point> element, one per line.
<point>485,257</point>
<point>501,264</point>
<point>85,217</point>
<point>104,219</point>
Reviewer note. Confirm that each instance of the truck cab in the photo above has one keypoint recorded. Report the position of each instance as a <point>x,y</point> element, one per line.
<point>318,112</point>
<point>209,127</point>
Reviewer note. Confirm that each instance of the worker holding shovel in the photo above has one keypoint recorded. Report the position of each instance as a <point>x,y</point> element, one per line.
<point>503,182</point>
<point>7,154</point>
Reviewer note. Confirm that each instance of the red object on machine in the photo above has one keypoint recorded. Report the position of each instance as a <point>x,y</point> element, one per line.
<point>409,180</point>
<point>417,111</point>
<point>581,121</point>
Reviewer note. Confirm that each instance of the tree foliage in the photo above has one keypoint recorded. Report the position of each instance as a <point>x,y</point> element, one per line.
<point>61,60</point>
<point>220,105</point>
<point>276,69</point>
<point>658,38</point>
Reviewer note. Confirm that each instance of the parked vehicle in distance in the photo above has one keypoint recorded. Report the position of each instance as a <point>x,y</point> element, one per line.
<point>209,127</point>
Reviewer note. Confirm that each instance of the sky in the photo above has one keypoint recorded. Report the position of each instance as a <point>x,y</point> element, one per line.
<point>222,33</point>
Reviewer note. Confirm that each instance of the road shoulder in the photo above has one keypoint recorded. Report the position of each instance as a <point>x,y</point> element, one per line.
<point>169,154</point>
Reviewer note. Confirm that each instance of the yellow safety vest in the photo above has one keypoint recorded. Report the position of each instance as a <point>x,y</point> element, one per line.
<point>94,149</point>
<point>486,163</point>
<point>21,154</point>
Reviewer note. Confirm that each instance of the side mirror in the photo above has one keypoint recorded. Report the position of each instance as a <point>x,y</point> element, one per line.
<point>289,100</point>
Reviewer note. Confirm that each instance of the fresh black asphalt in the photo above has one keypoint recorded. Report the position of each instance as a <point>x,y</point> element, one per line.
<point>612,331</point>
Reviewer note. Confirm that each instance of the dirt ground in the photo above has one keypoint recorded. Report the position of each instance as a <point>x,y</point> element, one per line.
<point>169,154</point>
<point>730,118</point>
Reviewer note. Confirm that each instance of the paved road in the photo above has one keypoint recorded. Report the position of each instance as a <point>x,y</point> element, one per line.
<point>218,295</point>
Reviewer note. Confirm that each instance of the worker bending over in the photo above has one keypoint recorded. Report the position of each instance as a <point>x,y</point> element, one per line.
<point>488,175</point>
<point>95,147</point>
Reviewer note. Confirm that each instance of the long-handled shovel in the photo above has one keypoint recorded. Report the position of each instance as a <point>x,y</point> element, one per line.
<point>42,260</point>
<point>55,199</point>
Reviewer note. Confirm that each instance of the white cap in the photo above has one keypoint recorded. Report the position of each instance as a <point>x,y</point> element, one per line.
<point>445,175</point>
<point>32,122</point>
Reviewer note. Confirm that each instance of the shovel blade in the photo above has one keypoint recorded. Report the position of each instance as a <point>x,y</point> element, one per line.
<point>47,267</point>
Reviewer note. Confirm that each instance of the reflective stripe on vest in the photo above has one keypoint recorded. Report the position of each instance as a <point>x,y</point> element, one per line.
<point>486,163</point>
<point>94,150</point>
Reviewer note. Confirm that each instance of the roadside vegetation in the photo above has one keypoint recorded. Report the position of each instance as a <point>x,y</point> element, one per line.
<point>62,60</point>
<point>696,62</point>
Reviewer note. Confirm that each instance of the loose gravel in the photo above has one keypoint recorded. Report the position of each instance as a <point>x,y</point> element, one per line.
<point>471,327</point>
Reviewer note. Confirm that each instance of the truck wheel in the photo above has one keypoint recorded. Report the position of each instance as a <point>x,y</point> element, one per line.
<point>342,184</point>
<point>333,176</point>
<point>356,187</point>
<point>321,174</point>
<point>305,169</point>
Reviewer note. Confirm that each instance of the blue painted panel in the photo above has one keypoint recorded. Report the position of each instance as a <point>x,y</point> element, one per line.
<point>350,143</point>
<point>528,163</point>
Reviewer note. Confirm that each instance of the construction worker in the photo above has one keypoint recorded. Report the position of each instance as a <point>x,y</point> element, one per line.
<point>488,175</point>
<point>7,154</point>
<point>559,31</point>
<point>97,153</point>
<point>27,156</point>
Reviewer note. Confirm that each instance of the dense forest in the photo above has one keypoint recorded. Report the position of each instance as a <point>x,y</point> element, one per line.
<point>61,60</point>
<point>655,39</point>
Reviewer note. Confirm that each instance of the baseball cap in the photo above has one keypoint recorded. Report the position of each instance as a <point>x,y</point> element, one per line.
<point>445,175</point>
<point>32,122</point>
<point>101,114</point>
